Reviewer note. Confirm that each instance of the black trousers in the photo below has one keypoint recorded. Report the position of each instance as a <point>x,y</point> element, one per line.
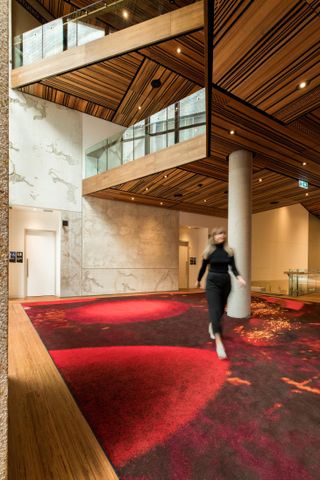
<point>218,287</point>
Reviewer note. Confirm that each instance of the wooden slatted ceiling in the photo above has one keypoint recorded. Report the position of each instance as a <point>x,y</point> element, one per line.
<point>199,192</point>
<point>267,49</point>
<point>120,86</point>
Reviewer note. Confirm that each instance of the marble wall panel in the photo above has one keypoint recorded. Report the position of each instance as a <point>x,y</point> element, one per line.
<point>71,255</point>
<point>128,247</point>
<point>45,167</point>
<point>104,280</point>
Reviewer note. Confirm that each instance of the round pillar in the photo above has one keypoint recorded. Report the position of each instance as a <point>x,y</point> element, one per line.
<point>239,229</point>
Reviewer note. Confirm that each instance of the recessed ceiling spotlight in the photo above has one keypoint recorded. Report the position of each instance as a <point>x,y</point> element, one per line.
<point>147,188</point>
<point>302,85</point>
<point>125,14</point>
<point>139,108</point>
<point>204,201</point>
<point>304,163</point>
<point>307,194</point>
<point>132,198</point>
<point>232,132</point>
<point>165,176</point>
<point>161,203</point>
<point>178,50</point>
<point>156,83</point>
<point>260,180</point>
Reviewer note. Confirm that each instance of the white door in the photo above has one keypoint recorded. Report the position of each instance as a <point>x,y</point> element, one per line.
<point>41,262</point>
<point>183,266</point>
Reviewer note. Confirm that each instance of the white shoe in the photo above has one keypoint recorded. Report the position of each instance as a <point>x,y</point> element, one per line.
<point>221,352</point>
<point>211,334</point>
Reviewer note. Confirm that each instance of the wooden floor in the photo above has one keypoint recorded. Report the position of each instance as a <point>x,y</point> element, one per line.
<point>48,437</point>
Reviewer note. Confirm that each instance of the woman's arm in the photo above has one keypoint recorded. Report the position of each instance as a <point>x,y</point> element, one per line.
<point>202,271</point>
<point>236,273</point>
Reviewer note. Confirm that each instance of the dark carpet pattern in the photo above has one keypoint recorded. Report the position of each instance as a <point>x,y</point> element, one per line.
<point>147,378</point>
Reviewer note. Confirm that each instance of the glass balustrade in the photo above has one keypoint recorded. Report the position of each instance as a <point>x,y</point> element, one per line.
<point>83,26</point>
<point>179,122</point>
<point>302,282</point>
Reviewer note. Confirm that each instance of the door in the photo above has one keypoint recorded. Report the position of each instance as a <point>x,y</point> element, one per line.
<point>41,263</point>
<point>184,265</point>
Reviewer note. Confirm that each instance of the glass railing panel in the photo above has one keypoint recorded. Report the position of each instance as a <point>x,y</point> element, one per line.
<point>176,123</point>
<point>32,46</point>
<point>85,25</point>
<point>114,154</point>
<point>52,38</point>
<point>303,283</point>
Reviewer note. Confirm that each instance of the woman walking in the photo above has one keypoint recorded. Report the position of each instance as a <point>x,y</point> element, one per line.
<point>219,256</point>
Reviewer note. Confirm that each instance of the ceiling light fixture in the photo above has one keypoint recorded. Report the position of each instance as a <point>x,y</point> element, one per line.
<point>156,83</point>
<point>132,198</point>
<point>232,132</point>
<point>178,50</point>
<point>307,194</point>
<point>139,108</point>
<point>165,176</point>
<point>304,163</point>
<point>125,14</point>
<point>302,85</point>
<point>260,180</point>
<point>147,188</point>
<point>205,201</point>
<point>161,203</point>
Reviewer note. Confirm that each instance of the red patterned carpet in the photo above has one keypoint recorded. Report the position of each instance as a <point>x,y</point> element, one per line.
<point>147,378</point>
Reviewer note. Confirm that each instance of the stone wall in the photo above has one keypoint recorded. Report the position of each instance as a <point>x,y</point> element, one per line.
<point>4,148</point>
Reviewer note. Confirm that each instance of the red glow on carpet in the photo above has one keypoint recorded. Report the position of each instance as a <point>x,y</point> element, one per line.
<point>137,397</point>
<point>126,311</point>
<point>285,302</point>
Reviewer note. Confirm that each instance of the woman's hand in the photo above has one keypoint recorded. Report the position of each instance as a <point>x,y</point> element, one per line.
<point>242,282</point>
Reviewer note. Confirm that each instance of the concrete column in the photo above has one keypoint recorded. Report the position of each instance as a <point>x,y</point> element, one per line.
<point>239,229</point>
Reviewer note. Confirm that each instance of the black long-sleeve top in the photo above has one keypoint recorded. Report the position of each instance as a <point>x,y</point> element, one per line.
<point>219,262</point>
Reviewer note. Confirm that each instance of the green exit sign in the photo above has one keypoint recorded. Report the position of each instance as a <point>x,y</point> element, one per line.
<point>303,184</point>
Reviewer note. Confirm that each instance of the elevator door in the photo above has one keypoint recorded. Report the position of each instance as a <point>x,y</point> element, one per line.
<point>41,263</point>
<point>183,266</point>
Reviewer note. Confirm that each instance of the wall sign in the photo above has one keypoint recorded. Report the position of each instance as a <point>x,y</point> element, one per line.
<point>12,257</point>
<point>19,257</point>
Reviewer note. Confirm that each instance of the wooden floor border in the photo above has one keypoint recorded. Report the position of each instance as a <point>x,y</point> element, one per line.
<point>49,439</point>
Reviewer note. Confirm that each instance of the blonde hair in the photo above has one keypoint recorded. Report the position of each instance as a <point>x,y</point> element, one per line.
<point>212,246</point>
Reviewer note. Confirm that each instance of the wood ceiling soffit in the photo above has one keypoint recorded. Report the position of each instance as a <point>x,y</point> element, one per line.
<point>309,127</point>
<point>189,63</point>
<point>225,15</point>
<point>104,83</point>
<point>181,206</point>
<point>211,170</point>
<point>256,131</point>
<point>70,101</point>
<point>151,100</point>
<point>280,53</point>
<point>303,105</point>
